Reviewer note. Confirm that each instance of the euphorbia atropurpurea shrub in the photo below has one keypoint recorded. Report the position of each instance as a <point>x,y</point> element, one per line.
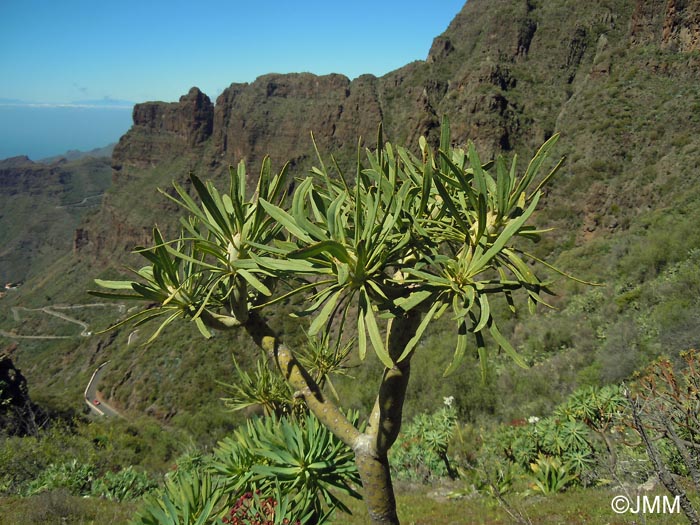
<point>376,256</point>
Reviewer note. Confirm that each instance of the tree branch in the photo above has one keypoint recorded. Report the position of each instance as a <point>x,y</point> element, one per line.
<point>301,381</point>
<point>385,419</point>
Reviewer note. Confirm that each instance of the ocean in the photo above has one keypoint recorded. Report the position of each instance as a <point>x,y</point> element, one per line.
<point>45,131</point>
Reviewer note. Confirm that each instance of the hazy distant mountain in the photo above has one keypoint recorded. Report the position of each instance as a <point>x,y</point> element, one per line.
<point>42,131</point>
<point>93,103</point>
<point>104,102</point>
<point>74,154</point>
<point>12,102</point>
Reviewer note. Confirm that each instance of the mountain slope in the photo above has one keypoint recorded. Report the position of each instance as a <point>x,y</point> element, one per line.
<point>616,78</point>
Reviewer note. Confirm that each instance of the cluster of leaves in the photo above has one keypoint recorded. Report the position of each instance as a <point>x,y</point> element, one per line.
<point>408,233</point>
<point>291,460</point>
<point>420,452</point>
<point>80,479</point>
<point>572,445</point>
<point>304,459</point>
<point>251,509</point>
<point>126,485</point>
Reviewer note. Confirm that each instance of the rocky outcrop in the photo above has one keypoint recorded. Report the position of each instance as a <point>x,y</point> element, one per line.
<point>40,207</point>
<point>276,113</point>
<point>21,175</point>
<point>681,27</point>
<point>672,24</point>
<point>162,130</point>
<point>19,416</point>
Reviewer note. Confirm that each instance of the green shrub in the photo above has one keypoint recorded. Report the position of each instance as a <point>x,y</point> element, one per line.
<point>188,498</point>
<point>76,477</point>
<point>298,456</point>
<point>126,485</point>
<point>550,475</point>
<point>420,452</point>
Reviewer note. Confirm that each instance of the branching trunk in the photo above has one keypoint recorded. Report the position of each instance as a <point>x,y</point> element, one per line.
<point>371,447</point>
<point>663,473</point>
<point>682,450</point>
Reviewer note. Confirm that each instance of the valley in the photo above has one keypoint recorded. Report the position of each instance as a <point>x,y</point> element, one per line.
<point>617,80</point>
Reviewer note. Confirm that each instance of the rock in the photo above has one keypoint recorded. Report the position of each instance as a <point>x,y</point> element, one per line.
<point>162,130</point>
<point>672,24</point>
<point>19,416</point>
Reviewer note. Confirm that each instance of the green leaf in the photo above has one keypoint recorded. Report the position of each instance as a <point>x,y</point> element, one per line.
<point>485,314</point>
<point>413,300</point>
<point>460,349</point>
<point>286,220</point>
<point>503,186</point>
<point>534,167</point>
<point>325,313</point>
<point>449,203</point>
<point>508,232</point>
<point>333,248</point>
<point>114,295</point>
<point>479,175</point>
<point>284,265</point>
<point>210,204</point>
<point>373,330</point>
<point>114,285</point>
<point>419,331</point>
<point>254,282</point>
<point>507,347</point>
<point>202,327</point>
<point>361,337</point>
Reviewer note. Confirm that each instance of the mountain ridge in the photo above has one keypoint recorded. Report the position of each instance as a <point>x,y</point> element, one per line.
<point>617,79</point>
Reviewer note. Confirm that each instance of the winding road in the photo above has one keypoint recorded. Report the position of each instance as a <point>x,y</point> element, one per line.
<point>91,395</point>
<point>55,311</point>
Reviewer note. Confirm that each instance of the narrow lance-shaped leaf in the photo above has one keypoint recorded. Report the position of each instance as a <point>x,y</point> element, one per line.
<point>373,330</point>
<point>114,285</point>
<point>460,349</point>
<point>210,205</point>
<point>286,220</point>
<point>361,337</point>
<point>478,264</point>
<point>419,331</point>
<point>485,313</point>
<point>323,316</point>
<point>507,347</point>
<point>332,248</point>
<point>533,168</point>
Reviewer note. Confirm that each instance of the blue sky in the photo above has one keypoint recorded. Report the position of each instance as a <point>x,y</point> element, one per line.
<point>64,51</point>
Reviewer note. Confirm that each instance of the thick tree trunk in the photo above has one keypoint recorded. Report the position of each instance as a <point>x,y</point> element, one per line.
<point>371,447</point>
<point>376,483</point>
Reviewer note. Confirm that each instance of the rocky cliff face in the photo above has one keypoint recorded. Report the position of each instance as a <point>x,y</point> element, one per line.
<point>19,416</point>
<point>275,114</point>
<point>164,130</point>
<point>505,72</point>
<point>670,24</point>
<point>40,205</point>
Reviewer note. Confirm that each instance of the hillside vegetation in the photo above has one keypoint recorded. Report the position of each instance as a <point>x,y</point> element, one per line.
<point>617,79</point>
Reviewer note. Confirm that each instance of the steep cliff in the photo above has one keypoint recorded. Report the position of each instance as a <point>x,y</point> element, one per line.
<point>19,416</point>
<point>508,73</point>
<point>40,207</point>
<point>616,78</point>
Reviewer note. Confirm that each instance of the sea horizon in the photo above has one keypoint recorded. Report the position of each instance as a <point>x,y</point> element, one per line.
<point>41,131</point>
